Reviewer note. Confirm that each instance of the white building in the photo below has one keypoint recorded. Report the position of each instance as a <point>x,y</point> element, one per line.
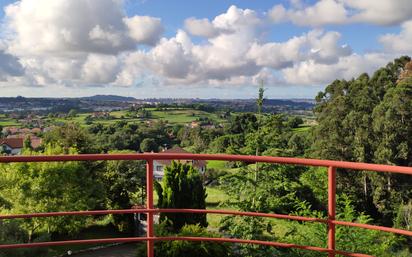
<point>159,165</point>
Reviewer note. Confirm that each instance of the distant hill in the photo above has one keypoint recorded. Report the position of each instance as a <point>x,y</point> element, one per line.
<point>113,98</point>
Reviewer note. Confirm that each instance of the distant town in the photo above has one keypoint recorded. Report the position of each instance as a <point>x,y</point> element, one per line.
<point>112,102</point>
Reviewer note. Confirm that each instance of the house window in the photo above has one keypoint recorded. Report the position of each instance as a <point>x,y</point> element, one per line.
<point>159,168</point>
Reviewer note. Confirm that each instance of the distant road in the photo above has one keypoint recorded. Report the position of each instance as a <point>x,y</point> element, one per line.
<point>126,250</point>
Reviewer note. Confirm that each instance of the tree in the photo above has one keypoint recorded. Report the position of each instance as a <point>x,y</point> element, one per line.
<point>71,135</point>
<point>351,239</point>
<point>72,113</point>
<point>294,121</point>
<point>124,182</point>
<point>279,190</point>
<point>148,145</point>
<point>392,125</point>
<point>243,123</point>
<point>27,143</point>
<point>258,142</point>
<point>181,188</point>
<point>367,119</point>
<point>12,233</point>
<point>51,187</point>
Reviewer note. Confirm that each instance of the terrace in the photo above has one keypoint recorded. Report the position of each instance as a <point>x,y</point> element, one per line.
<point>151,238</point>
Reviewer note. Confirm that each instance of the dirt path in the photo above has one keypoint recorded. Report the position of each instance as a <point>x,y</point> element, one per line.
<point>127,250</point>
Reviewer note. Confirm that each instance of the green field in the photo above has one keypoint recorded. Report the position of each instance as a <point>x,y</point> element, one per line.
<point>7,122</point>
<point>302,128</point>
<point>172,116</point>
<point>183,116</point>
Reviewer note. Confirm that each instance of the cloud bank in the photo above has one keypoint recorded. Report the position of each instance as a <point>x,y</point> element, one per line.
<point>81,43</point>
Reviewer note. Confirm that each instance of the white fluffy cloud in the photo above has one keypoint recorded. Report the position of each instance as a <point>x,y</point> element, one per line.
<point>76,42</point>
<point>312,73</point>
<point>238,56</point>
<point>323,12</point>
<point>93,43</point>
<point>100,69</point>
<point>179,61</point>
<point>61,27</point>
<point>316,45</point>
<point>200,27</point>
<point>144,29</point>
<point>399,43</point>
<point>234,20</point>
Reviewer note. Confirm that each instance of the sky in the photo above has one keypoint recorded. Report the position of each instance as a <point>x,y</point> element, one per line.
<point>195,49</point>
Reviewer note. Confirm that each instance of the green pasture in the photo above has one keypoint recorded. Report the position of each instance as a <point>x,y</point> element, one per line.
<point>172,116</point>
<point>8,122</point>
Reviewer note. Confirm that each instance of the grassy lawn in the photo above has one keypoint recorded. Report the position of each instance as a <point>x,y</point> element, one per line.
<point>218,165</point>
<point>215,197</point>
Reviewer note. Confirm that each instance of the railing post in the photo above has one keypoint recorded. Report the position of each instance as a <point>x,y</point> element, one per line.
<point>331,209</point>
<point>149,205</point>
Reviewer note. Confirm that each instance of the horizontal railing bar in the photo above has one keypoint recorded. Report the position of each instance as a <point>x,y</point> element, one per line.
<point>373,227</point>
<point>219,157</point>
<point>129,211</point>
<point>242,213</point>
<point>210,239</point>
<point>222,212</point>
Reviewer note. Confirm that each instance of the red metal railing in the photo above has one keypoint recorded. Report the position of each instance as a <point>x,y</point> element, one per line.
<point>150,211</point>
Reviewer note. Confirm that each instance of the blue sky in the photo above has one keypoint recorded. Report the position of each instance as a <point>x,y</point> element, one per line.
<point>362,37</point>
<point>204,49</point>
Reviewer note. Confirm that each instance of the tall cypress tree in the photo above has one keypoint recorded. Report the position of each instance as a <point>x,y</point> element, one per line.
<point>182,188</point>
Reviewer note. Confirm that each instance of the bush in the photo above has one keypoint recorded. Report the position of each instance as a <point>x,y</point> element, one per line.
<point>12,233</point>
<point>187,248</point>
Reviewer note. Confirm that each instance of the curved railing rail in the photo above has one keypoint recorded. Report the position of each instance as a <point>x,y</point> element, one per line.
<point>150,238</point>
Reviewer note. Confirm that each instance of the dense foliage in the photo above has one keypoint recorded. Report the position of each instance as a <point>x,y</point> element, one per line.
<point>187,248</point>
<point>368,119</point>
<point>182,187</point>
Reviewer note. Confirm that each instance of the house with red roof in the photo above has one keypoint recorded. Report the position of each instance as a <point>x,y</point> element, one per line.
<point>14,145</point>
<point>159,165</point>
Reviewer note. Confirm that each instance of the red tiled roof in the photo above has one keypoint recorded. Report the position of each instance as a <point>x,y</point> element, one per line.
<point>18,141</point>
<point>35,142</point>
<point>36,130</point>
<point>12,142</point>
